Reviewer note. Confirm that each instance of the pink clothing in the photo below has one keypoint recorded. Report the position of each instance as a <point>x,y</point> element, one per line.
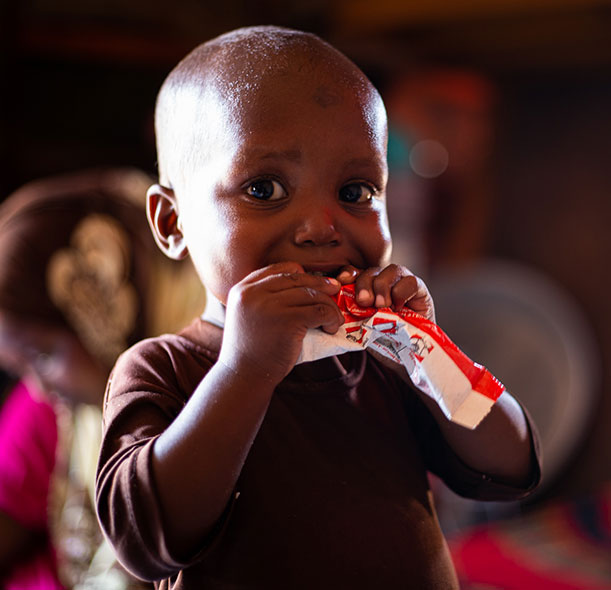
<point>28,440</point>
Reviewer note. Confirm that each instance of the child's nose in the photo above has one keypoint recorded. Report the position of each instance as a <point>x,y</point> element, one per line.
<point>317,227</point>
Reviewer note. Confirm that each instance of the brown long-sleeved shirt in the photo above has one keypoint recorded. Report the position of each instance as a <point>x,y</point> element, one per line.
<point>333,494</point>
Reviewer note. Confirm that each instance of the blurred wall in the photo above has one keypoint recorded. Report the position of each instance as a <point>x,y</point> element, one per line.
<point>554,210</point>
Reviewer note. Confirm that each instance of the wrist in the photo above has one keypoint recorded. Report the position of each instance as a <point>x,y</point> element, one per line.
<point>248,371</point>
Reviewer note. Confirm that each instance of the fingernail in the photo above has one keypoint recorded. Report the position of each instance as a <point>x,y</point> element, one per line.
<point>380,301</point>
<point>333,281</point>
<point>363,295</point>
<point>344,275</point>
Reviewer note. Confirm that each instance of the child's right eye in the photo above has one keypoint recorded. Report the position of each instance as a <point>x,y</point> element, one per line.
<point>266,190</point>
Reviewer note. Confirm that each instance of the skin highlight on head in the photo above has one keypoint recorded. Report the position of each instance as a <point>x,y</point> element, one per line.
<point>204,99</point>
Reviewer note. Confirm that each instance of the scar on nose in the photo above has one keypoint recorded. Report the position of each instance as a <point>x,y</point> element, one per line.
<point>325,97</point>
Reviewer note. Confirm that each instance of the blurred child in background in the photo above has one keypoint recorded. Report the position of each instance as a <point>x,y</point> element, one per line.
<point>79,273</point>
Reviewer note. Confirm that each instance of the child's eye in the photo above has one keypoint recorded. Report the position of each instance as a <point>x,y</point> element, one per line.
<point>356,192</point>
<point>266,190</point>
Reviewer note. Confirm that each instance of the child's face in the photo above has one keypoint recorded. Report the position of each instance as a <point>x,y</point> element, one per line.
<point>300,175</point>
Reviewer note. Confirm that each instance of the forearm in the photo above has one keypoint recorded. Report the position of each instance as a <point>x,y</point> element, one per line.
<point>198,459</point>
<point>500,446</point>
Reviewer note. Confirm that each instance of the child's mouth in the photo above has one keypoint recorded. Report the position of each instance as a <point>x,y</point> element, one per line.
<point>328,270</point>
<point>319,273</point>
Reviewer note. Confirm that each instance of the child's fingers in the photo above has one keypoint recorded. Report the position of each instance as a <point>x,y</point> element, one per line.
<point>394,286</point>
<point>373,287</point>
<point>273,269</point>
<point>348,274</point>
<point>412,292</point>
<point>290,275</point>
<point>289,297</point>
<point>422,301</point>
<point>322,314</point>
<point>405,289</point>
<point>269,313</point>
<point>309,298</point>
<point>299,280</point>
<point>304,296</point>
<point>363,287</point>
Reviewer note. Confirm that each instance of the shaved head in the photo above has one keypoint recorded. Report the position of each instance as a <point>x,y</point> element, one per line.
<point>205,97</point>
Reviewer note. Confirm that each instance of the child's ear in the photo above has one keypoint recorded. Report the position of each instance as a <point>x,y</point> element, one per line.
<point>162,214</point>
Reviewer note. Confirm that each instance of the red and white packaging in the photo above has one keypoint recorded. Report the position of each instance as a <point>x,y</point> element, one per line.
<point>464,390</point>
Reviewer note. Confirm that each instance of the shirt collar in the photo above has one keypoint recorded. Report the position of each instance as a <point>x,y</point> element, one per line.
<point>214,312</point>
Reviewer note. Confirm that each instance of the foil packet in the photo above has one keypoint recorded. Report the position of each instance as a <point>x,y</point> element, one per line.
<point>464,390</point>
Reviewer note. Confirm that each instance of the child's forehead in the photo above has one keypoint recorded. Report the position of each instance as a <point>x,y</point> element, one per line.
<point>262,91</point>
<point>242,79</point>
<point>243,90</point>
<point>242,63</point>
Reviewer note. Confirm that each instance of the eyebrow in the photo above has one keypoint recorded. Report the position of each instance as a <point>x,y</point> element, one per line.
<point>362,162</point>
<point>291,155</point>
<point>296,156</point>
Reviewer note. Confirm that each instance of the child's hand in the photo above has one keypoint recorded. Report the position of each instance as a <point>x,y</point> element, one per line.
<point>268,314</point>
<point>394,286</point>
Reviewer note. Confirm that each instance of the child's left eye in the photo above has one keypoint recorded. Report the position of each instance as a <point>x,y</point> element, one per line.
<point>266,190</point>
<point>357,192</point>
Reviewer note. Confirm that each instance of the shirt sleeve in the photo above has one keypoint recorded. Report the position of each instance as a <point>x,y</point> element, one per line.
<point>441,460</point>
<point>143,397</point>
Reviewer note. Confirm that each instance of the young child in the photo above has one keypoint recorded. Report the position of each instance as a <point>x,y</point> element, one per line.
<point>224,464</point>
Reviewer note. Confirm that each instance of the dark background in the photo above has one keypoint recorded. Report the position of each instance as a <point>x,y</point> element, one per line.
<point>79,79</point>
